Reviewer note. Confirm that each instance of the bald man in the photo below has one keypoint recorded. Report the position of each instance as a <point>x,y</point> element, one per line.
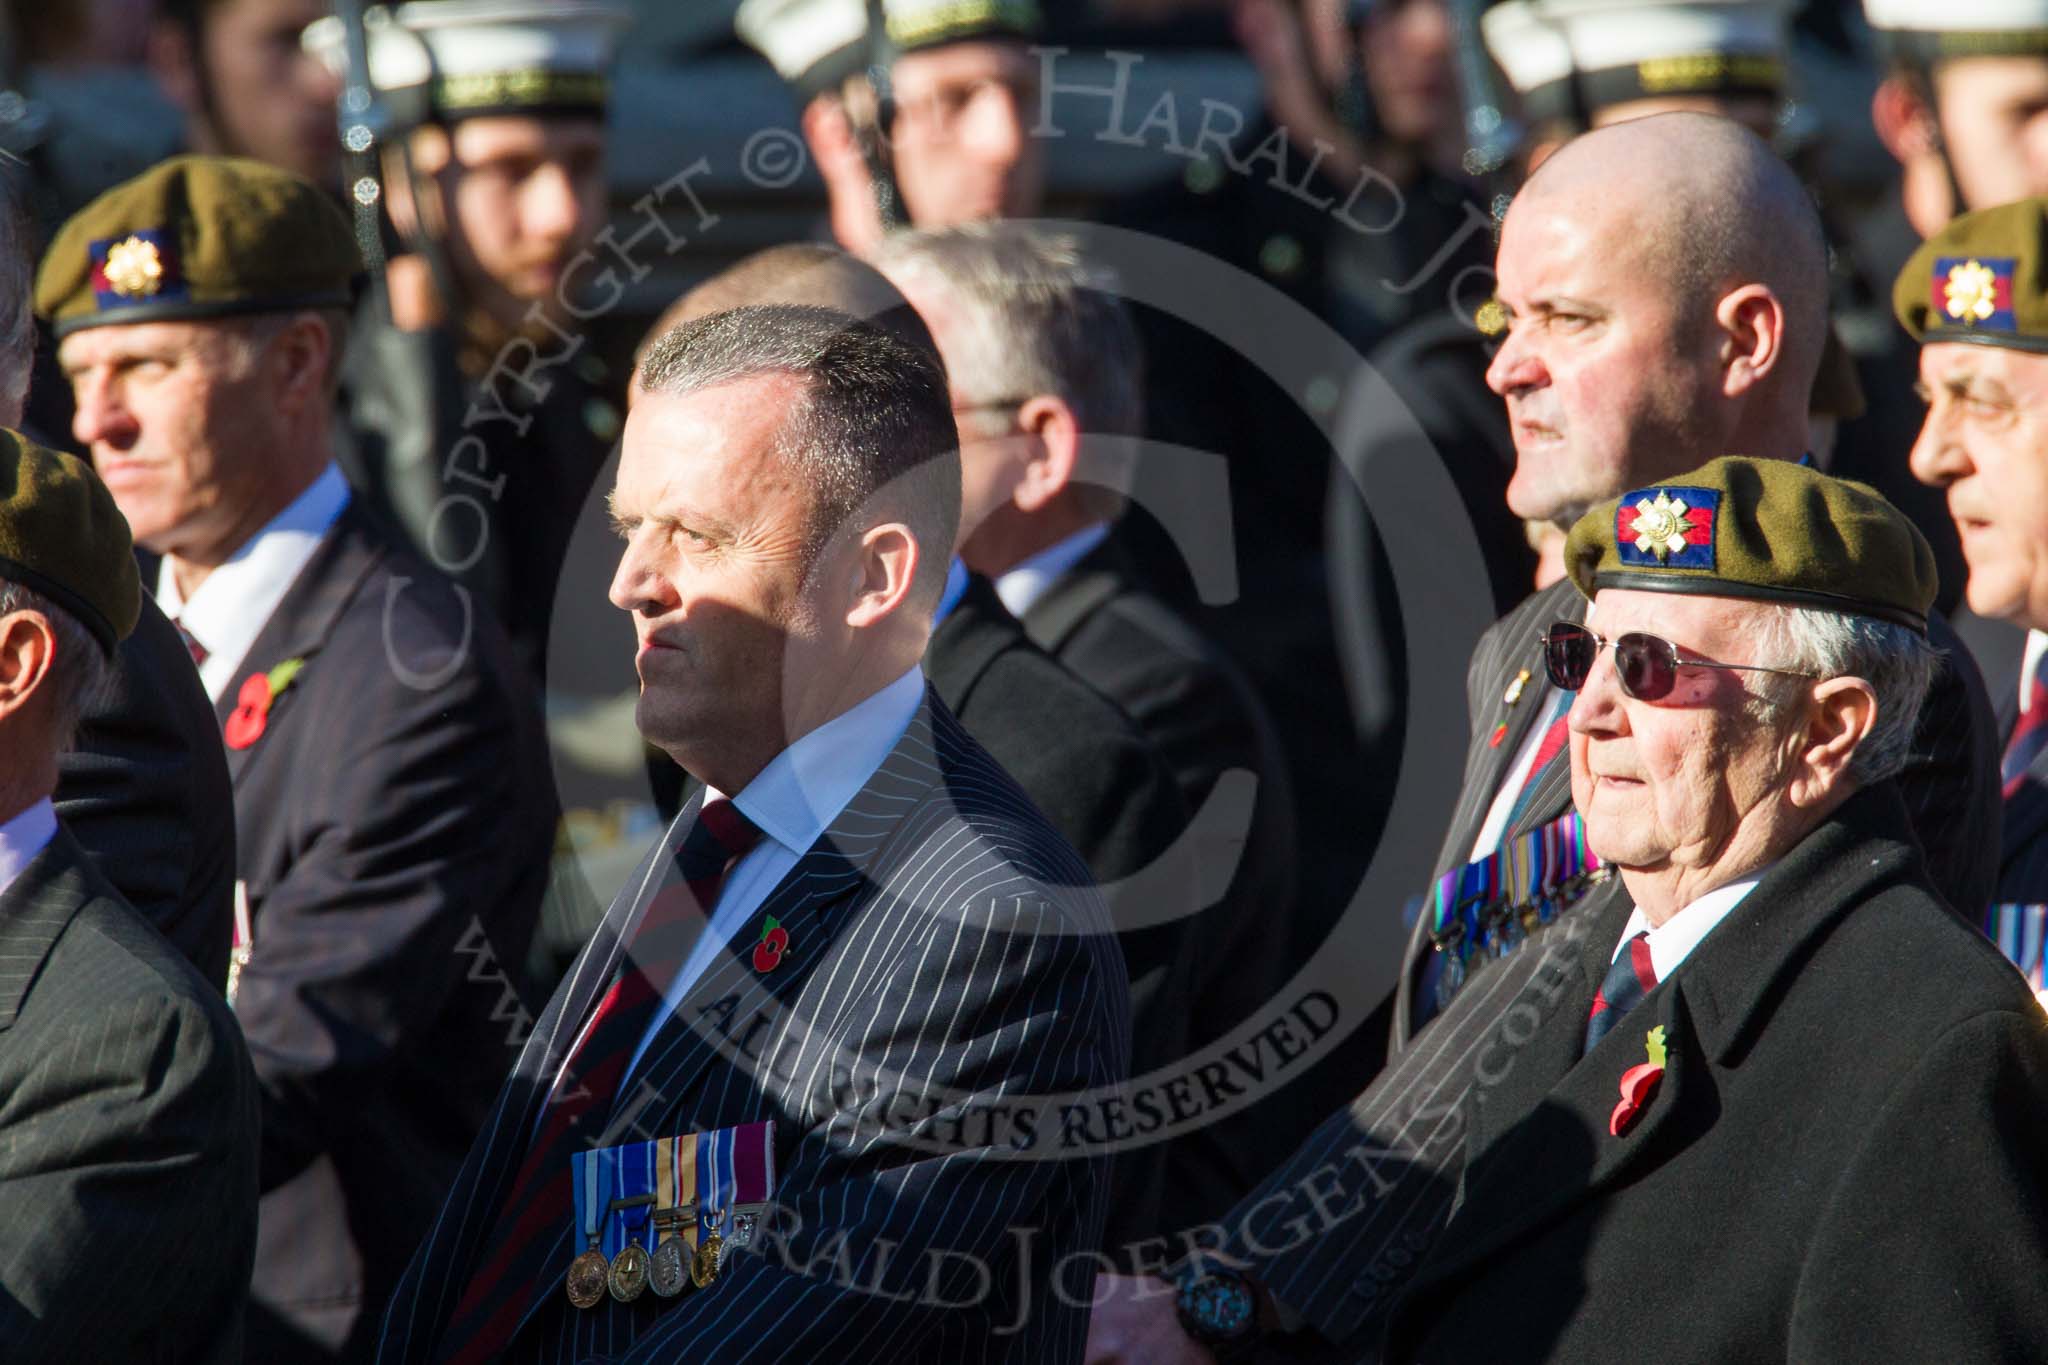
<point>1665,289</point>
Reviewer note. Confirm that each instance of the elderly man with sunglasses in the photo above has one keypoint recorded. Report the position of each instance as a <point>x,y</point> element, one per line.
<point>1789,1107</point>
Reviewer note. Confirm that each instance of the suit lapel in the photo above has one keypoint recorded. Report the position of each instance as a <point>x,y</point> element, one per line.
<point>971,637</point>
<point>1553,1149</point>
<point>1074,596</point>
<point>34,910</point>
<point>303,620</point>
<point>2025,812</point>
<point>812,903</point>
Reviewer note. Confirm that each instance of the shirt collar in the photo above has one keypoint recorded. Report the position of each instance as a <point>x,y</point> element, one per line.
<point>1023,585</point>
<point>2037,646</point>
<point>230,608</point>
<point>1675,938</point>
<point>23,837</point>
<point>955,589</point>
<point>802,790</point>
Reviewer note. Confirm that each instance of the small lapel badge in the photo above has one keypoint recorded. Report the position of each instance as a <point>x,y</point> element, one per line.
<point>768,953</point>
<point>1638,1084</point>
<point>1514,692</point>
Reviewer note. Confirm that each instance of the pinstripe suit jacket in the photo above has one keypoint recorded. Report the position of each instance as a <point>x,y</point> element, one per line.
<point>1950,783</point>
<point>942,937</point>
<point>128,1125</point>
<point>2023,846</point>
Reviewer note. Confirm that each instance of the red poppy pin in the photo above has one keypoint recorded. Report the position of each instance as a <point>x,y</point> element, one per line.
<point>774,943</point>
<point>259,693</point>
<point>1639,1084</point>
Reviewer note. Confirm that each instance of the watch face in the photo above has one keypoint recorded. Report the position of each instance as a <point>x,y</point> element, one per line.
<point>1218,1307</point>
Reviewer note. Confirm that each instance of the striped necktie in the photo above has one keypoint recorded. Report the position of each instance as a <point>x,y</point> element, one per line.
<point>541,1203</point>
<point>192,645</point>
<point>1632,977</point>
<point>2030,735</point>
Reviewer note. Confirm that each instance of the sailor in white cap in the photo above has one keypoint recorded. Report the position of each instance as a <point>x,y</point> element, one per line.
<point>925,119</point>
<point>1964,106</point>
<point>472,424</point>
<point>1579,64</point>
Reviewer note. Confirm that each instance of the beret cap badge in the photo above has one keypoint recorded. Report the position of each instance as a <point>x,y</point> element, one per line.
<point>1971,292</point>
<point>1661,525</point>
<point>134,267</point>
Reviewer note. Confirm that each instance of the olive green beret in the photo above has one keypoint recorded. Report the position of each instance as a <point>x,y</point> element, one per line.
<point>1764,529</point>
<point>199,237</point>
<point>1981,279</point>
<point>62,536</point>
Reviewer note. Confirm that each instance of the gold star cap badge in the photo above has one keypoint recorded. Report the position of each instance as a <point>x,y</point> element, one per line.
<point>1971,293</point>
<point>135,268</point>
<point>1492,318</point>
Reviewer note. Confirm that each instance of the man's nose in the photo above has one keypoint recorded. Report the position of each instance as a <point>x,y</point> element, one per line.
<point>993,128</point>
<point>550,205</point>
<point>1938,458</point>
<point>99,417</point>
<point>1514,366</point>
<point>1598,707</point>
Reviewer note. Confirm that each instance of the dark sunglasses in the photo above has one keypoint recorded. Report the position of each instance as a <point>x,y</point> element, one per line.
<point>1646,664</point>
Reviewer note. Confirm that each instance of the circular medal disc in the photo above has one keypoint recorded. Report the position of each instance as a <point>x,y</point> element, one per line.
<point>586,1279</point>
<point>629,1273</point>
<point>668,1272</point>
<point>704,1265</point>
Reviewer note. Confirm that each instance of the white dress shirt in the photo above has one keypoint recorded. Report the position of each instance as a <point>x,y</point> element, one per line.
<point>1671,941</point>
<point>230,608</point>
<point>1023,585</point>
<point>23,837</point>
<point>793,800</point>
<point>2037,645</point>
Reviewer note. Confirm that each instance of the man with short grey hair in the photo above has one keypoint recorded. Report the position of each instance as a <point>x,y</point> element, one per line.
<point>1045,370</point>
<point>843,970</point>
<point>142,782</point>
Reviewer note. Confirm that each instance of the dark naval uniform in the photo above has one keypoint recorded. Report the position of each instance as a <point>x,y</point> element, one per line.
<point>483,474</point>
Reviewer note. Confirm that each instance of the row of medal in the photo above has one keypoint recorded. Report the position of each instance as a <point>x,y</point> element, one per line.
<point>664,1214</point>
<point>671,1266</point>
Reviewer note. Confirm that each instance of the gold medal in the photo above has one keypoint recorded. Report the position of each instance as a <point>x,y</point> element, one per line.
<point>628,1278</point>
<point>668,1272</point>
<point>587,1277</point>
<point>704,1265</point>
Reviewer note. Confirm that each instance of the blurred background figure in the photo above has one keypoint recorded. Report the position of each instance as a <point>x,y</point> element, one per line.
<point>475,418</point>
<point>236,71</point>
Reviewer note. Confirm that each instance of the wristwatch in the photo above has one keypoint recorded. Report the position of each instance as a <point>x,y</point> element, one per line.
<point>1219,1308</point>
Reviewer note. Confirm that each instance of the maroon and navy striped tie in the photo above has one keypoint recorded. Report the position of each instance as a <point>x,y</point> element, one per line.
<point>2030,736</point>
<point>530,1223</point>
<point>1632,977</point>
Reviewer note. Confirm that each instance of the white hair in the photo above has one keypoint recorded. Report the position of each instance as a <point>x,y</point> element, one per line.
<point>1897,662</point>
<point>1037,317</point>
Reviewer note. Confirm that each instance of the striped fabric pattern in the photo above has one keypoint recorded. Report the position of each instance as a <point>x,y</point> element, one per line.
<point>940,943</point>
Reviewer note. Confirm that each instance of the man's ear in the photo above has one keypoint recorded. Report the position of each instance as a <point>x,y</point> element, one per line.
<point>1904,123</point>
<point>28,648</point>
<point>885,567</point>
<point>1752,322</point>
<point>1840,714</point>
<point>1055,450</point>
<point>300,355</point>
<point>849,184</point>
